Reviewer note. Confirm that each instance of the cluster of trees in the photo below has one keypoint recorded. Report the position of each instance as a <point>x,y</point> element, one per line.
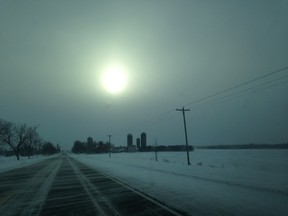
<point>246,146</point>
<point>165,148</point>
<point>101,147</point>
<point>173,148</point>
<point>91,147</point>
<point>149,148</point>
<point>23,140</point>
<point>49,148</point>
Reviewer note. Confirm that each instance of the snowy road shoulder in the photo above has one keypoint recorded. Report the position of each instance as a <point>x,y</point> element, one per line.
<point>9,163</point>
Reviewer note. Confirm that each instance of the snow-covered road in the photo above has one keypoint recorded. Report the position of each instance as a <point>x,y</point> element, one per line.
<point>217,183</point>
<point>63,186</point>
<point>23,191</point>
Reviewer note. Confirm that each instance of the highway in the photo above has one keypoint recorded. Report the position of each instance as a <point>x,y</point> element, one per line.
<point>64,186</point>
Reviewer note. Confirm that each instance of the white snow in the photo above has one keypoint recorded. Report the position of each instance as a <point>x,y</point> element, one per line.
<point>8,163</point>
<point>218,182</point>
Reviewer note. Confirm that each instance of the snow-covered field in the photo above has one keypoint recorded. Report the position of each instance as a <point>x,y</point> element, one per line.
<point>218,182</point>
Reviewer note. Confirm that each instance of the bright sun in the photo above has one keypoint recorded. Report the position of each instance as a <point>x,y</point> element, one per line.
<point>114,79</point>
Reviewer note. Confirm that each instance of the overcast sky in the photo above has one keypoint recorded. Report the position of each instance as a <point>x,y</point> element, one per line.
<point>52,55</point>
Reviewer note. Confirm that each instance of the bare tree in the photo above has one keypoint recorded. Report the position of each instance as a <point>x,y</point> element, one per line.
<point>6,133</point>
<point>39,143</point>
<point>2,126</point>
<point>32,141</point>
<point>22,133</point>
<point>15,135</point>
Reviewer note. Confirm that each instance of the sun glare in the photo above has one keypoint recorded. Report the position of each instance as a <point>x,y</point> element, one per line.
<point>114,79</point>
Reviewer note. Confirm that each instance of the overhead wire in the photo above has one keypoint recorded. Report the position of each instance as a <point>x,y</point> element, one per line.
<point>194,104</point>
<point>244,92</point>
<point>238,86</point>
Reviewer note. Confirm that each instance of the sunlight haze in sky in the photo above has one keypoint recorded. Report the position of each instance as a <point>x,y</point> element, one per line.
<point>162,54</point>
<point>114,78</point>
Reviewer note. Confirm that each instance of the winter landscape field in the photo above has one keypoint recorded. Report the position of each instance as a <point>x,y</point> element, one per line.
<point>218,182</point>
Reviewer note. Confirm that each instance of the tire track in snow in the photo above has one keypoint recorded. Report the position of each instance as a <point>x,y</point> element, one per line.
<point>213,180</point>
<point>28,197</point>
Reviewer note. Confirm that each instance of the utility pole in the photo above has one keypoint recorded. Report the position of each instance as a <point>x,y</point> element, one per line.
<point>186,138</point>
<point>109,145</point>
<point>155,149</point>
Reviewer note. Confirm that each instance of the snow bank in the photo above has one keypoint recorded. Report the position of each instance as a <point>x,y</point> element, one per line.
<point>8,163</point>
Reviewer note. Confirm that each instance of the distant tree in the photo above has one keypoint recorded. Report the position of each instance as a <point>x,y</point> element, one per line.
<point>4,127</point>
<point>6,132</point>
<point>15,135</point>
<point>90,147</point>
<point>58,148</point>
<point>39,146</point>
<point>22,133</point>
<point>32,142</point>
<point>103,147</point>
<point>48,148</point>
<point>78,147</point>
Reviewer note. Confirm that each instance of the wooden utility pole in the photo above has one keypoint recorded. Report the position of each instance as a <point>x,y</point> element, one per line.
<point>155,149</point>
<point>109,144</point>
<point>186,138</point>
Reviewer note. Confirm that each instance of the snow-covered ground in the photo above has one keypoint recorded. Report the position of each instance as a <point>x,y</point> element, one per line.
<point>218,182</point>
<point>8,163</point>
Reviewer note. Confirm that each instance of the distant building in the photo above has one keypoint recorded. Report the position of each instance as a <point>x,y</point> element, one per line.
<point>143,140</point>
<point>129,140</point>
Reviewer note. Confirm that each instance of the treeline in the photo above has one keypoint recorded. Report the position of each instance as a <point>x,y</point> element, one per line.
<point>90,147</point>
<point>167,148</point>
<point>23,140</point>
<point>160,148</point>
<point>246,146</point>
<point>94,147</point>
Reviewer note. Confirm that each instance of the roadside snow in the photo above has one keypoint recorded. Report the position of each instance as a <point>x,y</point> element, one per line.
<point>219,182</point>
<point>9,163</point>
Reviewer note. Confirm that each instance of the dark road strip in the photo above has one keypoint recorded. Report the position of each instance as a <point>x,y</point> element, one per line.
<point>64,186</point>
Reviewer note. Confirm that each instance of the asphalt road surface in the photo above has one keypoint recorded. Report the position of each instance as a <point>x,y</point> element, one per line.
<point>64,186</point>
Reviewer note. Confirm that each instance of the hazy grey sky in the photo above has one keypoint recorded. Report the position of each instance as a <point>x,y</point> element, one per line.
<point>52,54</point>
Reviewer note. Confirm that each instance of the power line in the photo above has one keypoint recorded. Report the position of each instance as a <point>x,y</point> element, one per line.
<point>227,97</point>
<point>238,86</point>
<point>244,92</point>
<point>146,121</point>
